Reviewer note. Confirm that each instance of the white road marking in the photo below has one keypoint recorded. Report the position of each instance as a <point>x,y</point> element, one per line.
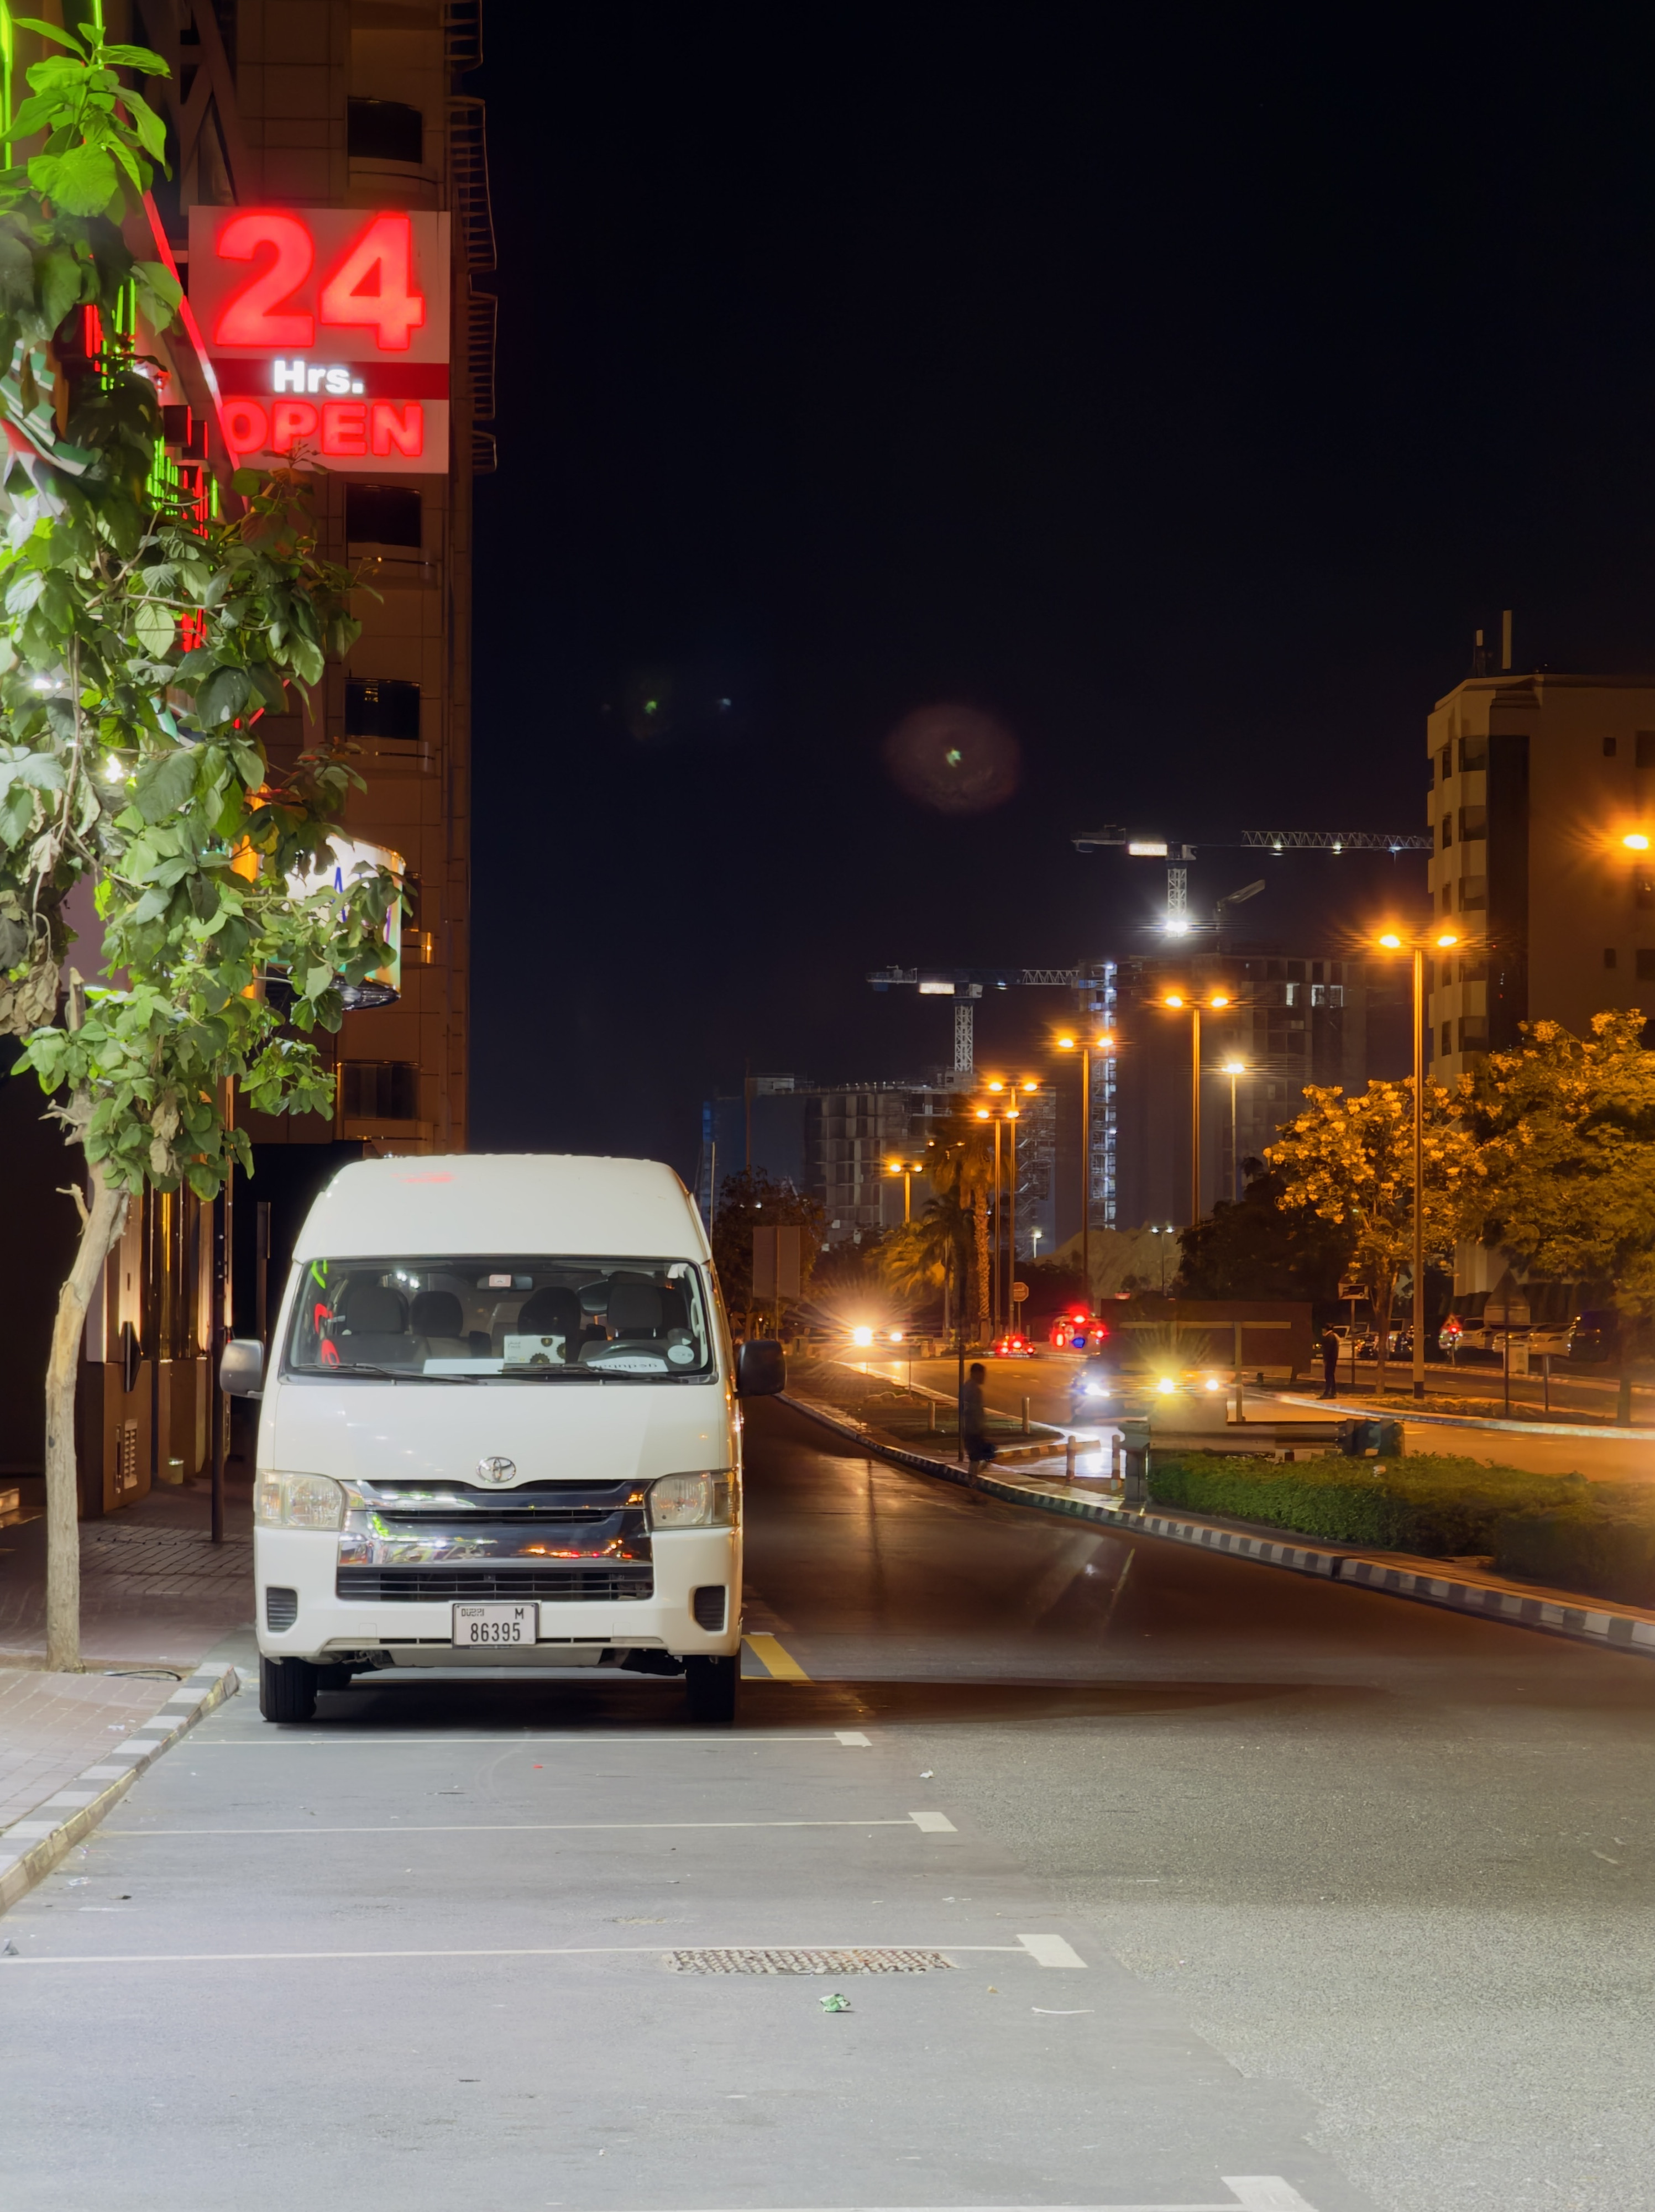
<point>853,1736</point>
<point>540,1951</point>
<point>352,1740</point>
<point>517,1828</point>
<point>1051,1951</point>
<point>933,1824</point>
<point>1254,2192</point>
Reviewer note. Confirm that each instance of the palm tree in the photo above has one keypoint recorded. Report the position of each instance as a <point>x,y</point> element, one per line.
<point>926,1254</point>
<point>963,1172</point>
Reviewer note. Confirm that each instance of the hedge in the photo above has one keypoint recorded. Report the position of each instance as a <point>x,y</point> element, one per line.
<point>1603,1546</point>
<point>1432,1502</point>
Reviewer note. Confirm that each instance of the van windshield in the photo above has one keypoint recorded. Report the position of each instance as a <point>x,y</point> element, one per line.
<point>502,1316</point>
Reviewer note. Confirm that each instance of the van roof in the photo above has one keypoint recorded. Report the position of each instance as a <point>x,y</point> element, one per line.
<point>483,1202</point>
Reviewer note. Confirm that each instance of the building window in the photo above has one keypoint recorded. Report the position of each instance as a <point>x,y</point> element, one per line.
<point>1473,971</point>
<point>1473,753</point>
<point>1447,831</point>
<point>1473,822</point>
<point>384,130</point>
<point>378,1089</point>
<point>375,707</point>
<point>1448,898</point>
<point>381,514</point>
<point>1644,742</point>
<point>1609,748</point>
<point>1474,894</point>
<point>1447,1039</point>
<point>1645,964</point>
<point>1445,764</point>
<point>1473,1032</point>
<point>1609,955</point>
<point>1643,887</point>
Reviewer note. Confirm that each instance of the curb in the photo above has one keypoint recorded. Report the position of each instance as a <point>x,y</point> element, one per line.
<point>1406,1414</point>
<point>75,1811</point>
<point>1583,1623</point>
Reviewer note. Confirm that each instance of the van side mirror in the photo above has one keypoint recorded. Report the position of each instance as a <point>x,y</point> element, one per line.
<point>241,1367</point>
<point>761,1368</point>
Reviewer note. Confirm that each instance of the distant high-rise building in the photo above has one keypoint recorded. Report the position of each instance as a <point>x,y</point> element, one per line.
<point>1542,804</point>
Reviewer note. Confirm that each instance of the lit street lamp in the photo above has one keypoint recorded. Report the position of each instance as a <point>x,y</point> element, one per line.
<point>1178,1002</point>
<point>1068,1043</point>
<point>1233,1068</point>
<point>907,1169</point>
<point>1392,943</point>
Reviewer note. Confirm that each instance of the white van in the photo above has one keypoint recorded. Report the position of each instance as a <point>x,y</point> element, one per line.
<point>500,1430</point>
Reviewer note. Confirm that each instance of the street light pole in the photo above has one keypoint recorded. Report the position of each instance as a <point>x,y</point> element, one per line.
<point>1418,1171</point>
<point>1195,1115</point>
<point>1233,1068</point>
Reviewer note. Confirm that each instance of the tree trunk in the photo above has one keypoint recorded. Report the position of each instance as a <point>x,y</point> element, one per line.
<point>1385,1331</point>
<point>100,1224</point>
<point>980,1226</point>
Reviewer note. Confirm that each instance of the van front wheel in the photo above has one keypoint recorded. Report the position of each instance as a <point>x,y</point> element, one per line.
<point>711,1684</point>
<point>287,1689</point>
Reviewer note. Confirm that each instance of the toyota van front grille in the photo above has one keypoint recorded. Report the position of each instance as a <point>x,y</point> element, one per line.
<point>594,1585</point>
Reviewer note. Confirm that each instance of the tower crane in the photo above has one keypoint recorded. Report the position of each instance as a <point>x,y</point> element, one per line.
<point>1145,845</point>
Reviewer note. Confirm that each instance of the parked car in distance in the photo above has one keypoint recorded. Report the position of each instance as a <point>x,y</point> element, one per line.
<point>1011,1347</point>
<point>1595,1338</point>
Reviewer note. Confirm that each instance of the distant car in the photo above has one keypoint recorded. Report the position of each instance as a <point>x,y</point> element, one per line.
<point>1552,1339</point>
<point>1011,1347</point>
<point>1595,1337</point>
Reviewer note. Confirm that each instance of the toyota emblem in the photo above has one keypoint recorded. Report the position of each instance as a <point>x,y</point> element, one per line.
<point>495,1470</point>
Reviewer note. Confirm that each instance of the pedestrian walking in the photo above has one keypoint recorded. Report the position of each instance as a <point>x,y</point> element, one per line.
<point>974,1421</point>
<point>1331,1348</point>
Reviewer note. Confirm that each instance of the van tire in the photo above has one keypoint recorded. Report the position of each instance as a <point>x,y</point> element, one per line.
<point>287,1689</point>
<point>711,1684</point>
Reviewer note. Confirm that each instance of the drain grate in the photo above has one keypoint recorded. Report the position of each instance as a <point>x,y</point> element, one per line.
<point>742,1962</point>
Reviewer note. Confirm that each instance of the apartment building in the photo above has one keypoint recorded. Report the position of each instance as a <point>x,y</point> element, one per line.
<point>1541,806</point>
<point>341,133</point>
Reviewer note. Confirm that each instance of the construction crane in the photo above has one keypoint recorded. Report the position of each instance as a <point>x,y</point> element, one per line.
<point>966,986</point>
<point>1177,853</point>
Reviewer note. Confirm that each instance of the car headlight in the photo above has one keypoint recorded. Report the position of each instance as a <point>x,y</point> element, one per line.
<point>1211,1384</point>
<point>1166,1386</point>
<point>1096,1389</point>
<point>692,1501</point>
<point>298,1501</point>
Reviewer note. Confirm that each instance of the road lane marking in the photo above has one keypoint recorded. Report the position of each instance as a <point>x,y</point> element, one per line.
<point>933,1824</point>
<point>779,1664</point>
<point>1115,1594</point>
<point>351,1739</point>
<point>1254,2192</point>
<point>528,1827</point>
<point>855,1736</point>
<point>1051,1951</point>
<point>540,1951</point>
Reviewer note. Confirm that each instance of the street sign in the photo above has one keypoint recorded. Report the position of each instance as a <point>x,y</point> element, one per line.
<point>1019,1291</point>
<point>1353,1290</point>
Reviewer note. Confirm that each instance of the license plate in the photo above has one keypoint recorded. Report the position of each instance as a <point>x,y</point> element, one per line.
<point>475,1626</point>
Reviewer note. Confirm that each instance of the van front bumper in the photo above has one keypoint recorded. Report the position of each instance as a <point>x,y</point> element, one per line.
<point>302,1612</point>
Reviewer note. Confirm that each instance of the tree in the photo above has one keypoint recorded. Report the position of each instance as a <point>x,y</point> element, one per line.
<point>963,1171</point>
<point>140,644</point>
<point>1567,1125</point>
<point>753,1200</point>
<point>930,1253</point>
<point>1351,1162</point>
<point>1257,1247</point>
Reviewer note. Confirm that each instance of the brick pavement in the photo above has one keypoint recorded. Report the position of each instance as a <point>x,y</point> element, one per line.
<point>51,1725</point>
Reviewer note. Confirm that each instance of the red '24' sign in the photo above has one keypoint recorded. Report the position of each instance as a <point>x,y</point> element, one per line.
<point>328,331</point>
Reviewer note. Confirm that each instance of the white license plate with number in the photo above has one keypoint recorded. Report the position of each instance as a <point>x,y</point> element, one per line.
<point>475,1626</point>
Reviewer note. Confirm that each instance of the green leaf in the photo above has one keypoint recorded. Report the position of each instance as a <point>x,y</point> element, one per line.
<point>160,290</point>
<point>165,782</point>
<point>80,181</point>
<point>318,980</point>
<point>136,57</point>
<point>156,629</point>
<point>152,132</point>
<point>47,31</point>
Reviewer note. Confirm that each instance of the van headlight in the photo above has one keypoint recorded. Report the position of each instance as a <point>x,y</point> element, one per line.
<point>692,1501</point>
<point>298,1501</point>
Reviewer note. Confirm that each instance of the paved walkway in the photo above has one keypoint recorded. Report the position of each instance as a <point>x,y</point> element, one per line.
<point>156,1595</point>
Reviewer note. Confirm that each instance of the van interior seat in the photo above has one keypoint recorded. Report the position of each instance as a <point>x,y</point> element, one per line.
<point>552,1310</point>
<point>634,1309</point>
<point>438,1320</point>
<point>374,1325</point>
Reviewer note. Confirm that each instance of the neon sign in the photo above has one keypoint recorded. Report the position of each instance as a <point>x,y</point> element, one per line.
<point>327,330</point>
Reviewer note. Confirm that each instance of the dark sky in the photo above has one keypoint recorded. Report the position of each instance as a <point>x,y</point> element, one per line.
<point>1179,387</point>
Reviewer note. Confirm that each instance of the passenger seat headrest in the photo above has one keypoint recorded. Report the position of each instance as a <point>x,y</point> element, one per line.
<point>633,1308</point>
<point>436,1313</point>
<point>550,1311</point>
<point>373,1310</point>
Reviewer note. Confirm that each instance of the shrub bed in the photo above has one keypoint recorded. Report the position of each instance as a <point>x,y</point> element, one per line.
<point>1603,1544</point>
<point>1436,1504</point>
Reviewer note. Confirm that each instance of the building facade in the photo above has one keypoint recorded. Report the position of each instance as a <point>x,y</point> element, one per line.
<point>348,123</point>
<point>1542,810</point>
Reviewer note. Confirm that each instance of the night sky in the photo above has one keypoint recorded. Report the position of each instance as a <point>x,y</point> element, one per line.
<point>1178,390</point>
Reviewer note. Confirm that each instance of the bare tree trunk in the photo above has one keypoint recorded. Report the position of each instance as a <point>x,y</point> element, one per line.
<point>1384,1330</point>
<point>100,1224</point>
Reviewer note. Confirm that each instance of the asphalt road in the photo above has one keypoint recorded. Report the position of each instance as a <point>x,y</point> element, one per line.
<point>1362,1892</point>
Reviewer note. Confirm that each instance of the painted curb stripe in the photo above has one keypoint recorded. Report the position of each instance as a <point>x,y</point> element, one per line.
<point>1585,1622</point>
<point>46,1842</point>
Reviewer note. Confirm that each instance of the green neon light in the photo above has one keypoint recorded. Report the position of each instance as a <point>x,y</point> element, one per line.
<point>5,74</point>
